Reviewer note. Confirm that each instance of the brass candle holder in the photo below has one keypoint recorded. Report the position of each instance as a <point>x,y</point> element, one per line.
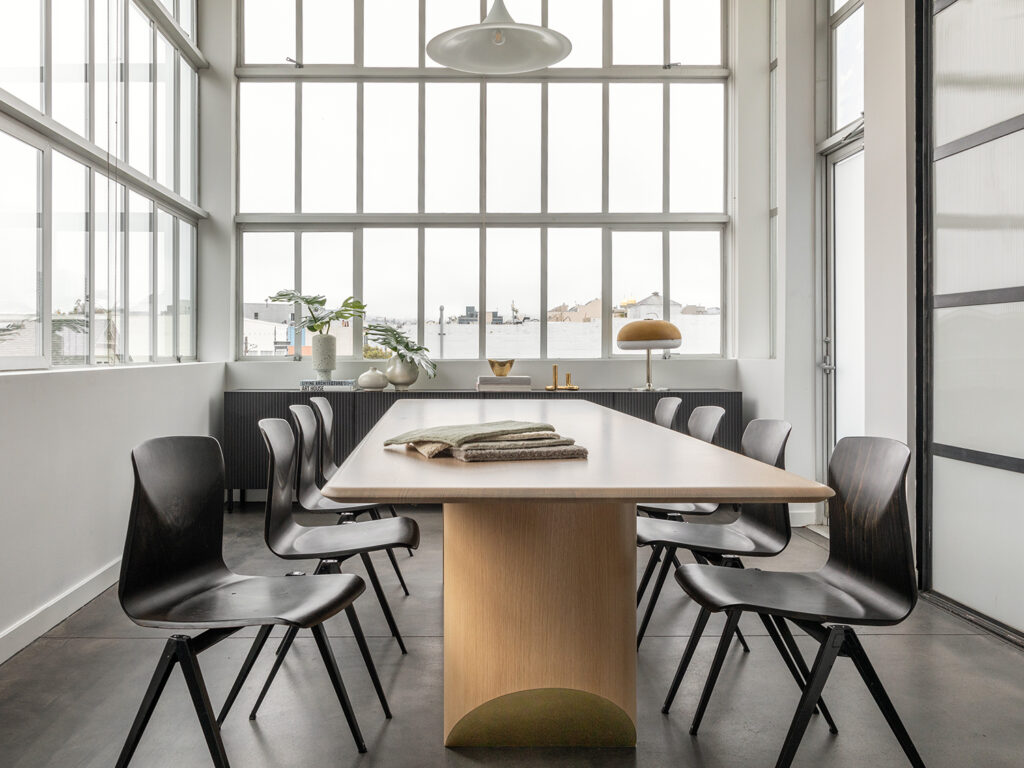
<point>554,386</point>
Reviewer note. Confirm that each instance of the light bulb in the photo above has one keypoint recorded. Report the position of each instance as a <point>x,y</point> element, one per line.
<point>499,37</point>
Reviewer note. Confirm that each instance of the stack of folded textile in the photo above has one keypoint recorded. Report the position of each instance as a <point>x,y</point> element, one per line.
<point>493,441</point>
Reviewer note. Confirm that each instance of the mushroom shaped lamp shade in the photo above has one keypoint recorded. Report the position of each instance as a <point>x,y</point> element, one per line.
<point>499,46</point>
<point>648,335</point>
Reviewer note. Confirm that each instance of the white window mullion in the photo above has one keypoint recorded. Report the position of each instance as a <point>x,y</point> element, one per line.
<point>544,290</point>
<point>45,285</point>
<point>606,292</point>
<point>421,293</point>
<point>357,290</point>
<point>297,307</point>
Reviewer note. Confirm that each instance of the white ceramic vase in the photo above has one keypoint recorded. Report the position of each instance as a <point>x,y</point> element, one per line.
<point>325,354</point>
<point>372,379</point>
<point>401,373</point>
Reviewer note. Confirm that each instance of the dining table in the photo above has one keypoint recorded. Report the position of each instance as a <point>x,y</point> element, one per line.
<point>540,558</point>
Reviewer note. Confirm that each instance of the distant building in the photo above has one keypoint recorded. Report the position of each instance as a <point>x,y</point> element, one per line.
<point>652,305</point>
<point>578,313</point>
<point>700,309</point>
<point>471,316</point>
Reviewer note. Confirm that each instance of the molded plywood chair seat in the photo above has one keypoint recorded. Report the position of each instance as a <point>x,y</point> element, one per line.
<point>308,490</point>
<point>173,576</point>
<point>759,530</point>
<point>331,544</point>
<point>868,579</point>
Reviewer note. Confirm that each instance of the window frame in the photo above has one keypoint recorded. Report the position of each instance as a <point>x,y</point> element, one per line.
<point>665,220</point>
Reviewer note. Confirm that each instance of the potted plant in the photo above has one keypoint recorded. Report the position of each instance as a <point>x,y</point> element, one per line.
<point>408,358</point>
<point>317,318</point>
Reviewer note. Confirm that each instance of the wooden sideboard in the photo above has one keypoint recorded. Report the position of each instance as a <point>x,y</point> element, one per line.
<point>356,412</point>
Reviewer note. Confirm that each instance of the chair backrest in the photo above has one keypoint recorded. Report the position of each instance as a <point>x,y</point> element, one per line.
<point>307,455</point>
<point>325,426</point>
<point>279,524</point>
<point>765,440</point>
<point>869,527</point>
<point>665,411</point>
<point>704,422</point>
<point>176,524</point>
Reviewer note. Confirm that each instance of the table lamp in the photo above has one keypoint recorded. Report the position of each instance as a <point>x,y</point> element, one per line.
<point>648,335</point>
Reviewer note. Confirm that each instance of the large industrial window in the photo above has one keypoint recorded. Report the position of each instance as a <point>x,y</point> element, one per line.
<point>518,216</point>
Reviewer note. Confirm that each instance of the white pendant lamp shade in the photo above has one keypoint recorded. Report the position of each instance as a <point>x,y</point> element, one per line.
<point>499,46</point>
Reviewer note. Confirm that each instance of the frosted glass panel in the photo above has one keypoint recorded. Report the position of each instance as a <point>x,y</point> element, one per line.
<point>697,149</point>
<point>328,147</point>
<point>390,277</point>
<point>979,217</point>
<point>574,147</point>
<point>695,29</point>
<point>979,367</point>
<point>327,31</point>
<point>21,50</point>
<point>140,278</point>
<point>635,156</point>
<point>695,290</point>
<point>977,527</point>
<point>327,271</point>
<point>848,345</point>
<point>70,263</point>
<point>390,147</point>
<point>638,32</point>
<point>267,147</point>
<point>391,33</point>
<point>140,91</point>
<point>108,272</point>
<point>186,289</point>
<point>849,70</point>
<point>70,54</point>
<point>452,285</point>
<point>513,293</point>
<point>574,293</point>
<point>513,147</point>
<point>164,284</point>
<point>580,21</point>
<point>268,266</point>
<point>165,149</point>
<point>269,31</point>
<point>637,280</point>
<point>979,80</point>
<point>452,147</point>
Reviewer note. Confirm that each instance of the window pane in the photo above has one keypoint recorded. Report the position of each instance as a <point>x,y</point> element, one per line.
<point>452,147</point>
<point>140,90</point>
<point>390,278</point>
<point>635,157</point>
<point>20,214</point>
<point>186,17</point>
<point>267,147</point>
<point>574,147</point>
<point>849,74</point>
<point>328,147</point>
<point>327,271</point>
<point>695,32</point>
<point>106,91</point>
<point>165,64</point>
<point>21,51</point>
<point>140,278</point>
<point>513,147</point>
<point>695,290</point>
<point>580,21</point>
<point>524,11</point>
<point>268,266</point>
<point>327,31</point>
<point>443,15</point>
<point>186,289</point>
<point>69,340</point>
<point>269,31</point>
<point>452,290</point>
<point>636,280</point>
<point>164,284</point>
<point>390,147</point>
<point>638,32</point>
<point>70,37</point>
<point>697,154</point>
<point>513,293</point>
<point>186,131</point>
<point>574,293</point>
<point>391,33</point>
<point>108,262</point>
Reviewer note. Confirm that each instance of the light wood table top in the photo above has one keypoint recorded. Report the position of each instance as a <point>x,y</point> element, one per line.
<point>630,460</point>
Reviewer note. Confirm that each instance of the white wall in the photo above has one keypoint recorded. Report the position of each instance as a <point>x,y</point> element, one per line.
<point>66,478</point>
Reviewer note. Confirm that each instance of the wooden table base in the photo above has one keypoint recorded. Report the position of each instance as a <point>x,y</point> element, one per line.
<point>539,624</point>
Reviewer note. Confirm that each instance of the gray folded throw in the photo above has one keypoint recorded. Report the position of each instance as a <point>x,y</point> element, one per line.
<point>457,434</point>
<point>468,453</point>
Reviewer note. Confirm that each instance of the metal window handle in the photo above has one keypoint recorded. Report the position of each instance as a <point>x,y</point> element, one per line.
<point>827,366</point>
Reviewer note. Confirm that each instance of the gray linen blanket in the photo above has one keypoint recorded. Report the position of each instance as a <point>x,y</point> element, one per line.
<point>491,441</point>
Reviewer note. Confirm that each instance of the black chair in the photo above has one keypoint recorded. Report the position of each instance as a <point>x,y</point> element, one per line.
<point>758,530</point>
<point>330,544</point>
<point>308,490</point>
<point>868,580</point>
<point>324,412</point>
<point>173,576</point>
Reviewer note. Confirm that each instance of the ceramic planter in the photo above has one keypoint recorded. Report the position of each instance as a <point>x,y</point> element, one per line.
<point>401,373</point>
<point>325,353</point>
<point>372,379</point>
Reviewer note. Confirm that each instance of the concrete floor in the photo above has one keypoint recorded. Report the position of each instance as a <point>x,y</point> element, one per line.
<point>69,698</point>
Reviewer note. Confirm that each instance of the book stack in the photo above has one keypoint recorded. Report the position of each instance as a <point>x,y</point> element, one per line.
<point>318,385</point>
<point>503,384</point>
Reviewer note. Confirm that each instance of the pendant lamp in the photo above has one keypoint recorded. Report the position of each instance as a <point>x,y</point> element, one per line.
<point>499,46</point>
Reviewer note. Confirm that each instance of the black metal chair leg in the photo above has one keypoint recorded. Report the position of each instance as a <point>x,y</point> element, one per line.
<point>675,560</point>
<point>867,672</point>
<point>801,681</point>
<point>398,571</point>
<point>157,683</point>
<point>798,659</point>
<point>666,566</point>
<point>382,599</point>
<point>243,673</point>
<point>364,649</point>
<point>684,662</point>
<point>324,645</point>
<point>716,667</point>
<point>743,640</point>
<point>648,572</point>
<point>201,701</point>
<point>827,654</point>
<point>286,643</point>
<point>394,513</point>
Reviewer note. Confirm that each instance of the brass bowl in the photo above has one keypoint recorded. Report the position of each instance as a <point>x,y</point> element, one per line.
<point>500,367</point>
